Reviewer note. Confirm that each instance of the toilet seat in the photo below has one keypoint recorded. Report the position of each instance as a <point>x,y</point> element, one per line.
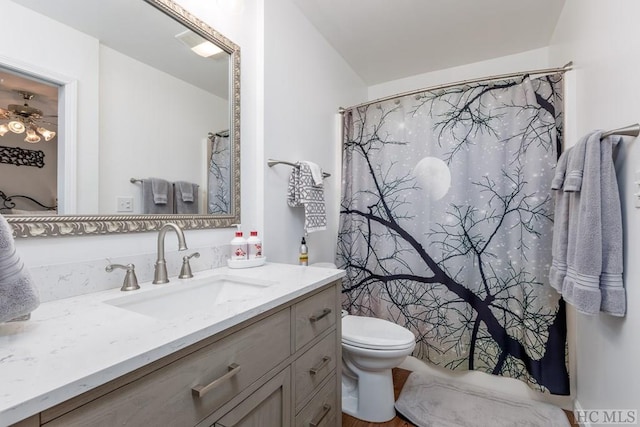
<point>375,334</point>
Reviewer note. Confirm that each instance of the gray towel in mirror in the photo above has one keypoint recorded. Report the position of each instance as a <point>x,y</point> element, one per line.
<point>153,200</point>
<point>186,197</point>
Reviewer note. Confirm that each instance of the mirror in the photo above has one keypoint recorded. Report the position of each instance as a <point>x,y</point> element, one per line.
<point>133,102</point>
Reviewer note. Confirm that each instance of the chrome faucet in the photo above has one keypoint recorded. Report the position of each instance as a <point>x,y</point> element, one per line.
<point>160,274</point>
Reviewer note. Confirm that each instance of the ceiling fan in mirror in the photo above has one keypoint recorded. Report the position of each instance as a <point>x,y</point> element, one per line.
<point>25,119</point>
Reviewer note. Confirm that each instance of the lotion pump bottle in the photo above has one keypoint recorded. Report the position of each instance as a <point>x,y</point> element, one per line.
<point>304,253</point>
<point>254,245</point>
<point>238,246</point>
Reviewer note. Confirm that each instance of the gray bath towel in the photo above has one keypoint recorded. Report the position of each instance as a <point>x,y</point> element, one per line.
<point>18,293</point>
<point>575,165</point>
<point>186,197</point>
<point>558,269</point>
<point>561,170</point>
<point>587,248</point>
<point>303,192</point>
<point>160,191</point>
<point>157,196</point>
<point>611,284</point>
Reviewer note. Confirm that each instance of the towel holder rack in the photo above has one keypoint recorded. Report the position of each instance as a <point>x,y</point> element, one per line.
<point>271,163</point>
<point>631,130</point>
<point>136,180</point>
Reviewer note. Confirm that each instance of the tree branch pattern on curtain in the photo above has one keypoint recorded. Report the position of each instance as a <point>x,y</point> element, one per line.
<point>446,225</point>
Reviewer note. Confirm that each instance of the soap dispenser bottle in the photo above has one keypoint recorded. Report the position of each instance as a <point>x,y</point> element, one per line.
<point>304,253</point>
<point>254,245</point>
<point>238,246</point>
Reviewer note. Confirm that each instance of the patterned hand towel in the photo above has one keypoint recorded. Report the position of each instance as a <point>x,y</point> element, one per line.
<point>316,173</point>
<point>303,193</point>
<point>18,294</point>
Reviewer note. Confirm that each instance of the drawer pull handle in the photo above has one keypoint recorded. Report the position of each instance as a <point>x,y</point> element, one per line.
<point>201,390</point>
<point>315,422</point>
<point>325,361</point>
<point>317,317</point>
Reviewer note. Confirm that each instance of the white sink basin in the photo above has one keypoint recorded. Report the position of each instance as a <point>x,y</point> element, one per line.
<point>190,296</point>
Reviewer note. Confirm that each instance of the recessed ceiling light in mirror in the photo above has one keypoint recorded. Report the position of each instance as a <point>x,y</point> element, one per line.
<point>198,44</point>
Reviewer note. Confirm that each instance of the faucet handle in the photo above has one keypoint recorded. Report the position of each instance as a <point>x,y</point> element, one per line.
<point>185,272</point>
<point>130,282</point>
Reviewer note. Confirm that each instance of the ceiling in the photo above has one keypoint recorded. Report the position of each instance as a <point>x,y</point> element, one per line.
<point>384,40</point>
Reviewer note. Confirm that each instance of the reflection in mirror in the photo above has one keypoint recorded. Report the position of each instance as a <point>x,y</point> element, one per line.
<point>219,155</point>
<point>28,144</point>
<point>150,104</point>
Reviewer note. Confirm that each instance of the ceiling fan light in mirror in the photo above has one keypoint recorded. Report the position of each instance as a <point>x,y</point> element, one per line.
<point>16,126</point>
<point>47,134</point>
<point>32,137</point>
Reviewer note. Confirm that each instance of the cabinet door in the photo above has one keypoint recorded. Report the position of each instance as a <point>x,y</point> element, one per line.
<point>269,406</point>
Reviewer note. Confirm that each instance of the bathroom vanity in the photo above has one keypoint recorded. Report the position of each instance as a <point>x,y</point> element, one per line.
<point>271,358</point>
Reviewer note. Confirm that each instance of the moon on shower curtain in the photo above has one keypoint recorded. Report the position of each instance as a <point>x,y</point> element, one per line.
<point>433,177</point>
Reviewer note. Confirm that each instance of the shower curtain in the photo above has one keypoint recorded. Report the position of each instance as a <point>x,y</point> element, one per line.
<point>219,177</point>
<point>446,224</point>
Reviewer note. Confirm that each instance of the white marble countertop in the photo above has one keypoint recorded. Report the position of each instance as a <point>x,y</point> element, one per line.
<point>72,345</point>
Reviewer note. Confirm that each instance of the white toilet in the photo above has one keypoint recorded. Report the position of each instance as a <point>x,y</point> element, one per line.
<point>370,349</point>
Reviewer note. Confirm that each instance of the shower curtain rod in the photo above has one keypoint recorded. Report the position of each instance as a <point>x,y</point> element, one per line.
<point>565,68</point>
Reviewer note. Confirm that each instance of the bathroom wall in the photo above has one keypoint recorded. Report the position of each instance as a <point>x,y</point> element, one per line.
<point>305,83</point>
<point>602,40</point>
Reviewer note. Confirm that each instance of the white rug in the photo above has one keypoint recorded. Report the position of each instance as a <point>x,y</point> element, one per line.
<point>430,401</point>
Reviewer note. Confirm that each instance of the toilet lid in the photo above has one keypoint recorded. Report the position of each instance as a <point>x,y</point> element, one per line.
<point>369,332</point>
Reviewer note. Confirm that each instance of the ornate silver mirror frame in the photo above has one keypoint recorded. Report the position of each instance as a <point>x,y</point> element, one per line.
<point>53,226</point>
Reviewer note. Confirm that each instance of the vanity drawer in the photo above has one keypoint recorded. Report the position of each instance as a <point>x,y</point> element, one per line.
<point>315,315</point>
<point>313,367</point>
<point>166,397</point>
<point>323,409</point>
